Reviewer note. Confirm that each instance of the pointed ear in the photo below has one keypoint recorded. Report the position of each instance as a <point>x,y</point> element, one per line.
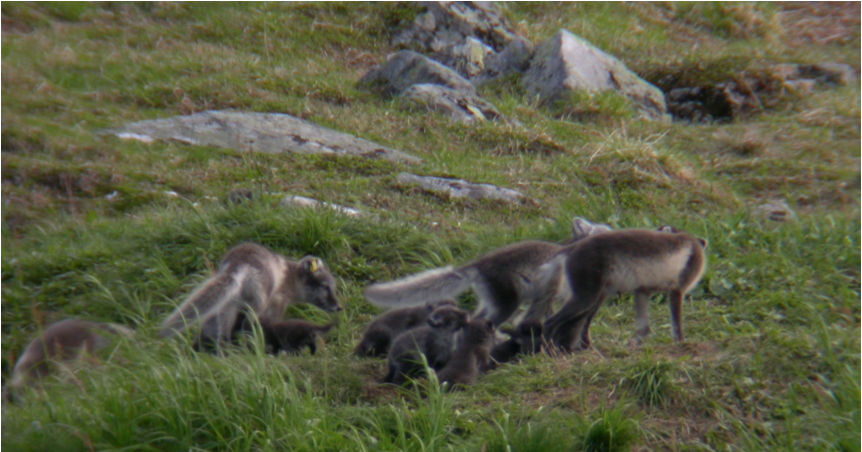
<point>581,227</point>
<point>311,264</point>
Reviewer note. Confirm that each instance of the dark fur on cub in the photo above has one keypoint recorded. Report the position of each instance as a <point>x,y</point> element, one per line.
<point>435,341</point>
<point>380,332</point>
<point>471,355</point>
<point>290,336</point>
<point>526,339</point>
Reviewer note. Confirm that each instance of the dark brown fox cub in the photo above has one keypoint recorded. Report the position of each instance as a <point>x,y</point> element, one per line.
<point>625,261</point>
<point>380,332</point>
<point>526,339</point>
<point>290,336</point>
<point>63,341</point>
<point>435,341</point>
<point>251,277</point>
<point>471,355</point>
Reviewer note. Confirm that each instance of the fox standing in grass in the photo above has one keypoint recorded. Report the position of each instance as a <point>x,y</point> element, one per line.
<point>635,261</point>
<point>503,279</point>
<point>254,278</point>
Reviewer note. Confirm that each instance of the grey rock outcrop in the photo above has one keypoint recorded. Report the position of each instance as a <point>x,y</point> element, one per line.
<point>565,63</point>
<point>473,38</point>
<point>455,104</point>
<point>407,68</point>
<point>423,81</point>
<point>258,132</point>
<point>459,188</point>
<point>446,24</point>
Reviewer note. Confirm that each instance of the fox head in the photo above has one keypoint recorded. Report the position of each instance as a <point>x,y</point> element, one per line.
<point>317,285</point>
<point>583,228</point>
<point>479,331</point>
<point>448,317</point>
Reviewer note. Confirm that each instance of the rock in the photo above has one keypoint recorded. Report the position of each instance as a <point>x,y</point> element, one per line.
<point>459,34</point>
<point>515,58</point>
<point>407,68</point>
<point>565,63</point>
<point>776,210</point>
<point>258,132</point>
<point>302,201</point>
<point>455,104</point>
<point>447,23</point>
<point>467,58</point>
<point>459,188</point>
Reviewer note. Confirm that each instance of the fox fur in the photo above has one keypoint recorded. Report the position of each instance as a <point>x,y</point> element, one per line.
<point>471,355</point>
<point>526,339</point>
<point>291,336</point>
<point>635,261</point>
<point>503,279</point>
<point>255,278</point>
<point>380,332</point>
<point>435,341</point>
<point>63,341</point>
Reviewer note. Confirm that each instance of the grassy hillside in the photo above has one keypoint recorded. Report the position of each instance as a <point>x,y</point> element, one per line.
<point>114,230</point>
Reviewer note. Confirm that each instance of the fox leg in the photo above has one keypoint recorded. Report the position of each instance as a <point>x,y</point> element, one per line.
<point>642,328</point>
<point>675,302</point>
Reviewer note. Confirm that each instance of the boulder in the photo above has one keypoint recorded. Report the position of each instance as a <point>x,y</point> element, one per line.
<point>566,63</point>
<point>459,188</point>
<point>407,68</point>
<point>258,132</point>
<point>448,23</point>
<point>457,105</point>
<point>461,35</point>
<point>515,58</point>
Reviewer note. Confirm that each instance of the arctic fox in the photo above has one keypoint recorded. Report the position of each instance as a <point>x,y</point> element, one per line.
<point>503,279</point>
<point>251,277</point>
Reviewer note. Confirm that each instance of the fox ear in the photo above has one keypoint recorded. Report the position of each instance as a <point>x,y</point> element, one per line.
<point>311,264</point>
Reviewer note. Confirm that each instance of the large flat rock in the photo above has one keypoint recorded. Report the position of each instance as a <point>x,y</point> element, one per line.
<point>259,132</point>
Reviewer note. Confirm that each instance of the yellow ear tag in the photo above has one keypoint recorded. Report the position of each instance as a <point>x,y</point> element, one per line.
<point>313,266</point>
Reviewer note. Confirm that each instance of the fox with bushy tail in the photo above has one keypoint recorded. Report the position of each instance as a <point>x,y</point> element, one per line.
<point>503,279</point>
<point>251,277</point>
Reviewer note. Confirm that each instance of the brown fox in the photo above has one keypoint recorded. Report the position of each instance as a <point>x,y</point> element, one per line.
<point>63,341</point>
<point>292,335</point>
<point>526,339</point>
<point>625,261</point>
<point>435,341</point>
<point>503,279</point>
<point>251,277</point>
<point>381,331</point>
<point>471,355</point>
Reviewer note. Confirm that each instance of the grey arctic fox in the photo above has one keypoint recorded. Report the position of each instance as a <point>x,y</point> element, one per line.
<point>503,279</point>
<point>251,277</point>
<point>63,342</point>
<point>635,261</point>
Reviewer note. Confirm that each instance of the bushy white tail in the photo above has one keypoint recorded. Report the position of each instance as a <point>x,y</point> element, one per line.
<point>421,288</point>
<point>212,297</point>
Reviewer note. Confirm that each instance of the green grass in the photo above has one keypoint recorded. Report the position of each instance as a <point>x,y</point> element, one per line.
<point>114,230</point>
